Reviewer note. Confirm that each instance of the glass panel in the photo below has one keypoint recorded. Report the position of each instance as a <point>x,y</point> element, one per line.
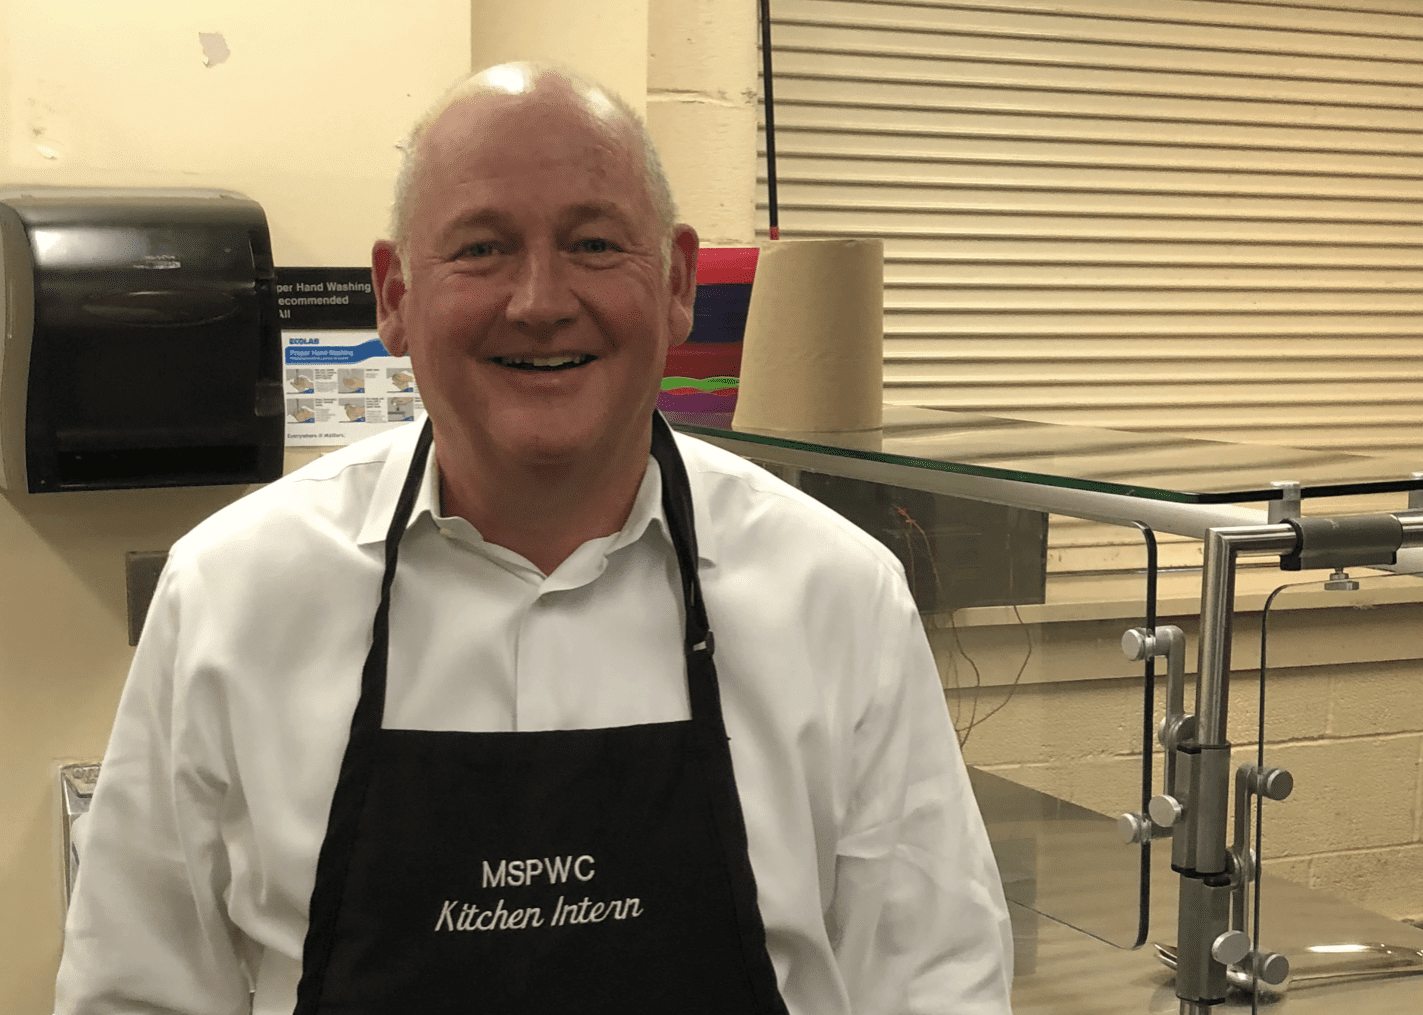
<point>1152,465</point>
<point>1047,707</point>
<point>1342,662</point>
<point>1027,630</point>
<point>1049,711</point>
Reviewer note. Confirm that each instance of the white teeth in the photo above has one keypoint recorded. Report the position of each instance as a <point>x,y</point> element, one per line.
<point>544,361</point>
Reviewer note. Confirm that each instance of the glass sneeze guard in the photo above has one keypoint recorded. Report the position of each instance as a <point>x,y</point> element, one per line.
<point>1052,842</point>
<point>976,572</point>
<point>1152,466</point>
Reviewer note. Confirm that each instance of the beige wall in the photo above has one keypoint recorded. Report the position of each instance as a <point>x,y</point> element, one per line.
<point>702,111</point>
<point>607,41</point>
<point>118,94</point>
<point>304,114</point>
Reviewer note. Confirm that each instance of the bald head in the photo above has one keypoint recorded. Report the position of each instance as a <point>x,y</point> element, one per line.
<point>577,102</point>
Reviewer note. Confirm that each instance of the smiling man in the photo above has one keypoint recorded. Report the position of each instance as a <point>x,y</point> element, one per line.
<point>536,288</point>
<point>531,706</point>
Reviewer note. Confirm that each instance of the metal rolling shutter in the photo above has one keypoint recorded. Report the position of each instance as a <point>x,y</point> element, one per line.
<point>1187,215</point>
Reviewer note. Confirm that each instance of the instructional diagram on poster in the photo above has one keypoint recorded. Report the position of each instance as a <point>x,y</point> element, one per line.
<point>342,386</point>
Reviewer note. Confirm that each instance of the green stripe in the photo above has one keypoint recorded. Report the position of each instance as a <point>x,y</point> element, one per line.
<point>709,384</point>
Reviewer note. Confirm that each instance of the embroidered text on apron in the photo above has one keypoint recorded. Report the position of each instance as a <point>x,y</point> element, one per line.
<point>560,871</point>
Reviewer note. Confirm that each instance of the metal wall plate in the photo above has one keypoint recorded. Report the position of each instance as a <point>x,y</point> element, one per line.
<point>141,571</point>
<point>76,789</point>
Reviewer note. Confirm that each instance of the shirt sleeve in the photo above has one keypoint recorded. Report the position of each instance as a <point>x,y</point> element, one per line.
<point>918,920</point>
<point>147,932</point>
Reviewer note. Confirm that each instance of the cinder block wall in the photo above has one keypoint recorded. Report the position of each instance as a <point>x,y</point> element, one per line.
<point>1351,733</point>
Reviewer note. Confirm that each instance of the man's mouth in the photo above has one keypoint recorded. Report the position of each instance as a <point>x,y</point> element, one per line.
<point>543,362</point>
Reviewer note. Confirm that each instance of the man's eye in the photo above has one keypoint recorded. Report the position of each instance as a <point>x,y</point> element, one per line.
<point>478,250</point>
<point>595,245</point>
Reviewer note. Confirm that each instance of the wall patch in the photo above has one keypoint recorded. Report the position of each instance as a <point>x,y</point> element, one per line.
<point>215,49</point>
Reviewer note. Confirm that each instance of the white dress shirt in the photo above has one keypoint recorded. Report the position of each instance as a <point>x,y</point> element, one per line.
<point>875,880</point>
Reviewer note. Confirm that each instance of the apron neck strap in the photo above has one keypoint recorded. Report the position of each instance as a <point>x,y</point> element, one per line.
<point>677,506</point>
<point>370,707</point>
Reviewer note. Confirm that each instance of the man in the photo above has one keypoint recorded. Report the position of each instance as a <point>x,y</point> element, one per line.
<point>530,706</point>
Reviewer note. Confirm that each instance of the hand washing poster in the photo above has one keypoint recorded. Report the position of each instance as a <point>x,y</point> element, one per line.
<point>340,383</point>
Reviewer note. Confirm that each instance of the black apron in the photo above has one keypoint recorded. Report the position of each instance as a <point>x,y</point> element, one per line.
<point>562,871</point>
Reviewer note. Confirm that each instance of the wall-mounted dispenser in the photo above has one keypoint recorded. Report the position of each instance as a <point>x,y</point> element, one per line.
<point>139,340</point>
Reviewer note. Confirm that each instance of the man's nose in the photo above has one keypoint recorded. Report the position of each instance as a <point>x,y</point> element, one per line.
<point>542,300</point>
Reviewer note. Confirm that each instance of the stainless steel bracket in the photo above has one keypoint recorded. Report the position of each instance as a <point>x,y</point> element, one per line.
<point>1289,505</point>
<point>1272,784</point>
<point>1168,807</point>
<point>76,789</point>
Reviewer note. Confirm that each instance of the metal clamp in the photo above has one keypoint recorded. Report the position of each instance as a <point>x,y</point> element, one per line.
<point>1343,542</point>
<point>1272,784</point>
<point>1288,506</point>
<point>1138,644</point>
<point>1340,581</point>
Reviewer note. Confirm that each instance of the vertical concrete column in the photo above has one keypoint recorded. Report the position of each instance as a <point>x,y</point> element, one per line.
<point>606,40</point>
<point>702,97</point>
<point>5,64</point>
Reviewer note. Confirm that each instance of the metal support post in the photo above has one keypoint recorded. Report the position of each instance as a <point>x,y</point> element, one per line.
<point>1199,843</point>
<point>1209,940</point>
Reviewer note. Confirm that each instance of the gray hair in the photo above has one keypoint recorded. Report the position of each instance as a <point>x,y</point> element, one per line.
<point>517,78</point>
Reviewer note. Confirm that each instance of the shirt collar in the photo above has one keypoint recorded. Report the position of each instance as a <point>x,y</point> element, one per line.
<point>646,510</point>
<point>381,508</point>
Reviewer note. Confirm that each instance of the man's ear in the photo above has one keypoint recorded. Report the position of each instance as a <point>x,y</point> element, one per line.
<point>682,283</point>
<point>389,285</point>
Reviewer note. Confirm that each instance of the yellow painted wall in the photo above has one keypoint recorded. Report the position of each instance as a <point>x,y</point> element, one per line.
<point>702,110</point>
<point>303,115</point>
<point>605,40</point>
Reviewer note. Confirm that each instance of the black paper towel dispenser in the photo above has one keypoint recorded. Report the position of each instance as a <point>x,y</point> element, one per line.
<point>141,344</point>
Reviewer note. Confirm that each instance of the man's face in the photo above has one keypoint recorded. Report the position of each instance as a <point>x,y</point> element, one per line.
<point>537,317</point>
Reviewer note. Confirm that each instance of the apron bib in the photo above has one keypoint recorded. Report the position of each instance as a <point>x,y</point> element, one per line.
<point>558,871</point>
